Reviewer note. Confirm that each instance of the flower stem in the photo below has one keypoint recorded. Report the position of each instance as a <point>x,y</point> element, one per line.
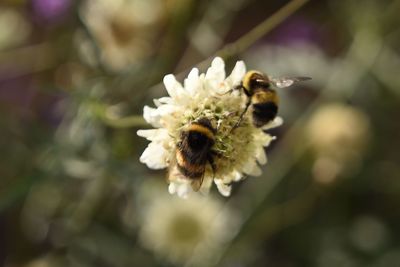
<point>125,122</point>
<point>260,30</point>
<point>101,112</point>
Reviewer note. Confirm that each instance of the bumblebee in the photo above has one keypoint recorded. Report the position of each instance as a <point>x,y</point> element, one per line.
<point>262,98</point>
<point>194,151</point>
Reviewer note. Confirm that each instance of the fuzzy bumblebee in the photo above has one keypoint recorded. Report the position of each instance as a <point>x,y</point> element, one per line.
<point>262,97</point>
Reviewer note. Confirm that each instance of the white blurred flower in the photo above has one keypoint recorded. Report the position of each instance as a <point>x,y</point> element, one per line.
<point>368,233</point>
<point>204,95</point>
<point>338,134</point>
<point>124,30</point>
<point>190,231</point>
<point>12,22</point>
<point>338,130</point>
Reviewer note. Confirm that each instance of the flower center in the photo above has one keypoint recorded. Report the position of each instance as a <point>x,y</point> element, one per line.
<point>184,228</point>
<point>123,31</point>
<point>231,145</point>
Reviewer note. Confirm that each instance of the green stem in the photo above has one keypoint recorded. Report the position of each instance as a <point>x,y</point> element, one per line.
<point>100,111</point>
<point>261,30</point>
<point>125,122</point>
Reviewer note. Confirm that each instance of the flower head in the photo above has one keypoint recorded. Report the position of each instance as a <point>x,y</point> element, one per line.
<point>338,130</point>
<point>11,21</point>
<point>338,134</point>
<point>124,30</point>
<point>205,96</point>
<point>176,231</point>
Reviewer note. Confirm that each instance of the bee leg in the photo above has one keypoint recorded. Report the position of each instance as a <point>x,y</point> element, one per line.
<point>237,87</point>
<point>227,92</point>
<point>241,115</point>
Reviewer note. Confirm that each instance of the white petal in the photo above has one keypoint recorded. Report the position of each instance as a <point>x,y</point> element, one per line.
<point>223,188</point>
<point>174,88</point>
<point>265,139</point>
<point>165,109</point>
<point>269,140</point>
<point>252,168</point>
<point>154,134</point>
<point>148,134</point>
<point>261,156</point>
<point>234,176</point>
<point>192,82</point>
<point>237,74</point>
<point>237,176</point>
<point>162,100</point>
<point>172,188</point>
<point>155,156</point>
<point>180,187</point>
<point>278,121</point>
<point>216,73</point>
<point>152,116</point>
<point>184,190</point>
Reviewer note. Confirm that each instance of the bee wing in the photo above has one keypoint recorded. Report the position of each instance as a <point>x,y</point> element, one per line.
<point>196,184</point>
<point>173,173</point>
<point>283,82</point>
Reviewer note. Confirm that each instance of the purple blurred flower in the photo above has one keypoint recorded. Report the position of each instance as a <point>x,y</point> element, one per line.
<point>22,98</point>
<point>297,30</point>
<point>50,10</point>
<point>16,91</point>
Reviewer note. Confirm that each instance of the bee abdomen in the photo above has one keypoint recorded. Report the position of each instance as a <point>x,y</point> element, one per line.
<point>192,171</point>
<point>264,113</point>
<point>189,156</point>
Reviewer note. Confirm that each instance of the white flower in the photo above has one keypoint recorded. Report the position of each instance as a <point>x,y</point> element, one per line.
<point>124,30</point>
<point>338,134</point>
<point>338,130</point>
<point>177,231</point>
<point>205,95</point>
<point>11,22</point>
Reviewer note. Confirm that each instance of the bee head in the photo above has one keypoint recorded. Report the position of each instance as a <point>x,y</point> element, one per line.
<point>254,79</point>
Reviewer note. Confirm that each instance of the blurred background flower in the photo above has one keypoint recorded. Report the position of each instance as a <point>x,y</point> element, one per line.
<point>12,22</point>
<point>190,231</point>
<point>50,11</point>
<point>125,32</point>
<point>75,75</point>
<point>338,134</point>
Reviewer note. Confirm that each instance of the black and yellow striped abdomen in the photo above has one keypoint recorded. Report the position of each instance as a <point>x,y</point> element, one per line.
<point>194,150</point>
<point>263,113</point>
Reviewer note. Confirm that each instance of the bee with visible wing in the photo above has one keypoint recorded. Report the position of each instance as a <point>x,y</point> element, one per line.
<point>262,98</point>
<point>193,152</point>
